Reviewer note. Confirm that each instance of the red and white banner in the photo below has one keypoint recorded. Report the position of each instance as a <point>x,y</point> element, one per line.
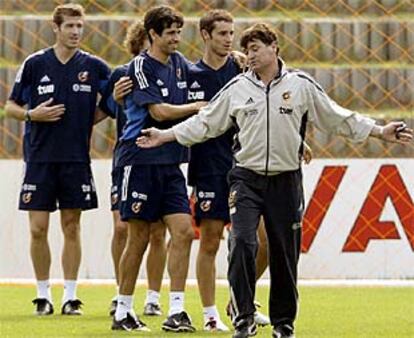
<point>359,219</point>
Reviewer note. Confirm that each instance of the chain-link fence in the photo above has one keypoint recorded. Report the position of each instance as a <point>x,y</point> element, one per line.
<point>362,52</point>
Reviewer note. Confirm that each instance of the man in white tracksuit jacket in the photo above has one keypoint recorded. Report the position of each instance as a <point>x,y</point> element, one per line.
<point>270,106</point>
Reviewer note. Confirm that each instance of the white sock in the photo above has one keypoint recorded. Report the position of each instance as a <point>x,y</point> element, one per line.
<point>210,312</point>
<point>43,290</point>
<point>123,307</point>
<point>69,290</point>
<point>153,297</point>
<point>176,302</point>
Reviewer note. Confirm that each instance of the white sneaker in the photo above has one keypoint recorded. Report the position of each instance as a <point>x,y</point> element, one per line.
<point>261,319</point>
<point>215,325</point>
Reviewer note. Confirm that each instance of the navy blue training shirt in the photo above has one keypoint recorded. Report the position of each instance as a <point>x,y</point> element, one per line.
<point>74,84</point>
<point>153,83</point>
<point>213,157</point>
<point>114,110</point>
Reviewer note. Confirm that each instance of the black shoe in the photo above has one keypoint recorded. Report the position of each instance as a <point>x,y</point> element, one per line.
<point>152,309</point>
<point>245,328</point>
<point>179,322</point>
<point>283,331</point>
<point>72,307</point>
<point>129,323</point>
<point>43,307</point>
<point>112,307</point>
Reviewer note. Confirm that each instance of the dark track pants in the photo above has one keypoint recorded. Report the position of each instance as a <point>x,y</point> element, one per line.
<point>279,199</point>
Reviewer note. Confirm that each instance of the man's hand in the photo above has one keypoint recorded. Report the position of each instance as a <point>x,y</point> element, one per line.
<point>307,153</point>
<point>154,137</point>
<point>44,112</point>
<point>396,132</point>
<point>121,89</point>
<point>240,58</point>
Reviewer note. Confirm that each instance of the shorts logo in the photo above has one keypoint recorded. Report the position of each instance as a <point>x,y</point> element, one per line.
<point>88,197</point>
<point>140,196</point>
<point>114,198</point>
<point>27,197</point>
<point>205,206</point>
<point>83,76</point>
<point>206,194</point>
<point>296,226</point>
<point>136,207</point>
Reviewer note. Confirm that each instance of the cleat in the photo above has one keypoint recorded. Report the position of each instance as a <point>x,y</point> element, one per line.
<point>215,325</point>
<point>43,307</point>
<point>152,309</point>
<point>112,307</point>
<point>260,318</point>
<point>129,323</point>
<point>245,328</point>
<point>178,322</point>
<point>72,308</point>
<point>283,331</point>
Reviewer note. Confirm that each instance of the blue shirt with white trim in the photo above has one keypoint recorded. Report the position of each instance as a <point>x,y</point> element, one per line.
<point>213,157</point>
<point>75,84</point>
<point>153,83</point>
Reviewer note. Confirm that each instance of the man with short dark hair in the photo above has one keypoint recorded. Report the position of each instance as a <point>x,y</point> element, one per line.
<point>59,85</point>
<point>271,106</point>
<point>153,185</point>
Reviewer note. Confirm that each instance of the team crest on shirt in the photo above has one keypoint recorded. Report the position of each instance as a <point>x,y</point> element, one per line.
<point>26,197</point>
<point>205,205</point>
<point>136,207</point>
<point>286,95</point>
<point>83,76</point>
<point>178,73</point>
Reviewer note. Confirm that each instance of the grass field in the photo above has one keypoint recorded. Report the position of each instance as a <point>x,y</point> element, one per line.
<point>370,312</point>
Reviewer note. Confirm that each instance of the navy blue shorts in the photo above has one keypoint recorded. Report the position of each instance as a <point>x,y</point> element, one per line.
<point>116,183</point>
<point>212,193</point>
<point>48,186</point>
<point>150,192</point>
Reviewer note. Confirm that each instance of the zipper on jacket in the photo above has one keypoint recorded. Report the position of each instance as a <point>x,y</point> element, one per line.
<point>268,129</point>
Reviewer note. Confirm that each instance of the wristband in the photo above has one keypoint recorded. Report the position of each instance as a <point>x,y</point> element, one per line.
<point>27,115</point>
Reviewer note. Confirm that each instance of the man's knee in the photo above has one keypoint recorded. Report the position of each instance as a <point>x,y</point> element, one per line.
<point>182,234</point>
<point>38,232</point>
<point>209,244</point>
<point>120,230</point>
<point>157,235</point>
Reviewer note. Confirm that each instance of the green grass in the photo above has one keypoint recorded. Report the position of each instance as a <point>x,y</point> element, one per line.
<point>371,312</point>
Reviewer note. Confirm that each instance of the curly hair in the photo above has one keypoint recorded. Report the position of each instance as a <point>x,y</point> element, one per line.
<point>135,38</point>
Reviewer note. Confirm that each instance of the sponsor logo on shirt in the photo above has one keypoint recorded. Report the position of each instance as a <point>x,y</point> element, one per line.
<point>182,84</point>
<point>196,95</point>
<point>46,89</point>
<point>285,110</point>
<point>44,79</point>
<point>83,76</point>
<point>164,92</point>
<point>250,101</point>
<point>195,85</point>
<point>160,83</point>
<point>81,88</point>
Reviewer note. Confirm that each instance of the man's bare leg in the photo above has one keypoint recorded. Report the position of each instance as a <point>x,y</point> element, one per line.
<point>156,259</point>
